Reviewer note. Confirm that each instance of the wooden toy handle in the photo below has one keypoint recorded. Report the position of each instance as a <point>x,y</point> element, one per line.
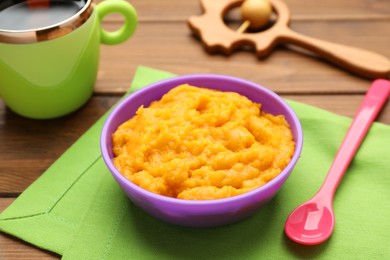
<point>362,62</point>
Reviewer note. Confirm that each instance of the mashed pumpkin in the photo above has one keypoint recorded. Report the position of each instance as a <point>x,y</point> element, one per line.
<point>201,144</point>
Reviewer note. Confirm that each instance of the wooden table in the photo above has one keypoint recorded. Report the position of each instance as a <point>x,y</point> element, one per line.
<point>163,41</point>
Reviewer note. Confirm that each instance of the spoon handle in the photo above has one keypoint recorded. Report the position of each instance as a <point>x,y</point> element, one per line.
<point>373,101</point>
<point>362,62</point>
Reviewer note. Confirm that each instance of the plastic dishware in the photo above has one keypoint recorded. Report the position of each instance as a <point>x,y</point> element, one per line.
<point>200,213</point>
<point>313,222</point>
<point>49,62</point>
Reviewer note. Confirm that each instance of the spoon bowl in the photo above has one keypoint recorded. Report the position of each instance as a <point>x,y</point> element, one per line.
<point>311,223</point>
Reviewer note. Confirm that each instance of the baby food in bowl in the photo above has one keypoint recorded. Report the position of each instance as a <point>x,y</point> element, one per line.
<point>201,150</point>
<point>200,144</point>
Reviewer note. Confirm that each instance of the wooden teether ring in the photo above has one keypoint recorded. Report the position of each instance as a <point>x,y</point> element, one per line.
<point>217,37</point>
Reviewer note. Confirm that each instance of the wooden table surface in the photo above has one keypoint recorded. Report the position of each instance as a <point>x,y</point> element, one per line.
<point>164,41</point>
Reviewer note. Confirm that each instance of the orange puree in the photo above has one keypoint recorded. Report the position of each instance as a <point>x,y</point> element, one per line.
<point>201,144</point>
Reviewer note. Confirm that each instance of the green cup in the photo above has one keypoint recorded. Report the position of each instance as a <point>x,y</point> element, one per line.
<point>50,71</point>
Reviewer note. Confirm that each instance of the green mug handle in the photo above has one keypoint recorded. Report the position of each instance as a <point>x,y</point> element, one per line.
<point>126,31</point>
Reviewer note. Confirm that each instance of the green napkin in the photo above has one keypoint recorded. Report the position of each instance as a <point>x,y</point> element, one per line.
<point>77,210</point>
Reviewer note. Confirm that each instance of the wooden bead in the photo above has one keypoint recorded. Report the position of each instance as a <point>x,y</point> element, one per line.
<point>257,12</point>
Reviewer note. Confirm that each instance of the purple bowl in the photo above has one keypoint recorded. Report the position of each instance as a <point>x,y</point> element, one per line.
<point>201,213</point>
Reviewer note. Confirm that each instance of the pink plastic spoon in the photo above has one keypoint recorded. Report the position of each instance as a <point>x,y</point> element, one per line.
<point>312,222</point>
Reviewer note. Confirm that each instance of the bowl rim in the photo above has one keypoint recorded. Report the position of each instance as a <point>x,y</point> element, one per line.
<point>177,80</point>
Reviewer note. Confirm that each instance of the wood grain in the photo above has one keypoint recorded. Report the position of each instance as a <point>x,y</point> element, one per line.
<point>164,41</point>
<point>285,71</point>
<point>13,248</point>
<point>28,147</point>
<point>25,153</point>
<point>220,38</point>
<point>175,10</point>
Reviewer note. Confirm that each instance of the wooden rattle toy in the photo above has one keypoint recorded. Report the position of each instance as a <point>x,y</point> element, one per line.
<point>218,37</point>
